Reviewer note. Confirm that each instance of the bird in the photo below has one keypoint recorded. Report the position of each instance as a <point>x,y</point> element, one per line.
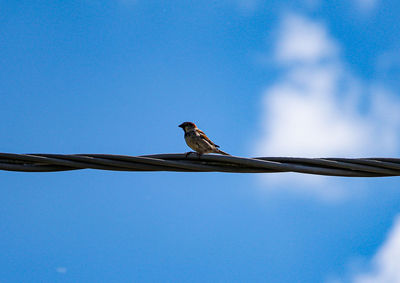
<point>197,140</point>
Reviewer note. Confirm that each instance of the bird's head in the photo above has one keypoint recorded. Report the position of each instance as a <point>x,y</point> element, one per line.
<point>188,126</point>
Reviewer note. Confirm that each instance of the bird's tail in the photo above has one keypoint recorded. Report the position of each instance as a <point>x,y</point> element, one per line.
<point>222,152</point>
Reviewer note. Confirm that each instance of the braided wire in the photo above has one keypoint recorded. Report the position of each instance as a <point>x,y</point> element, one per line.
<point>345,167</point>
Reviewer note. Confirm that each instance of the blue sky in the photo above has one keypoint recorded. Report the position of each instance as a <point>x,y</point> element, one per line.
<point>271,78</point>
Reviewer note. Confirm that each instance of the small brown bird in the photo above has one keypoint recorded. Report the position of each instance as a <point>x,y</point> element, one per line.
<point>198,141</point>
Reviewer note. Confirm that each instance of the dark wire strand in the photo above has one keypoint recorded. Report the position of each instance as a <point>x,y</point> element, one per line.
<point>345,167</point>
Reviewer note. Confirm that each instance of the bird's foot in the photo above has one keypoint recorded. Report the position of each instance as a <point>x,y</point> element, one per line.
<point>188,153</point>
<point>194,152</point>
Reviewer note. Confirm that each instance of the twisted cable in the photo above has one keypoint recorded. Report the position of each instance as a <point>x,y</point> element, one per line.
<point>345,167</point>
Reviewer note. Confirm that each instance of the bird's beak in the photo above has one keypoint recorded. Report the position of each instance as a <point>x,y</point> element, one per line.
<point>181,126</point>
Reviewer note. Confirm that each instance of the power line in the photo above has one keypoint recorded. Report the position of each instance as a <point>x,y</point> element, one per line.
<point>347,167</point>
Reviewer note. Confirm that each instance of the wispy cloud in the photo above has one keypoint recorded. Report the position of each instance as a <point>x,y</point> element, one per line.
<point>318,108</point>
<point>127,2</point>
<point>300,40</point>
<point>61,269</point>
<point>248,6</point>
<point>366,5</point>
<point>385,265</point>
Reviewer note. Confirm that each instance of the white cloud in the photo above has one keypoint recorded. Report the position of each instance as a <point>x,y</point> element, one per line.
<point>385,265</point>
<point>127,2</point>
<point>300,40</point>
<point>61,269</point>
<point>248,5</point>
<point>314,109</point>
<point>312,4</point>
<point>366,5</point>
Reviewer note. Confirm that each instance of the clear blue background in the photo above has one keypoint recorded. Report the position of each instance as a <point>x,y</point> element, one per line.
<point>118,77</point>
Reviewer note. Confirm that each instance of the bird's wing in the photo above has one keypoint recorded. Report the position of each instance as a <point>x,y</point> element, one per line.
<point>203,135</point>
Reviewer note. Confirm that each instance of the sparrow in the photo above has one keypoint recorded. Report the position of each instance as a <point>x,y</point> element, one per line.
<point>197,140</point>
